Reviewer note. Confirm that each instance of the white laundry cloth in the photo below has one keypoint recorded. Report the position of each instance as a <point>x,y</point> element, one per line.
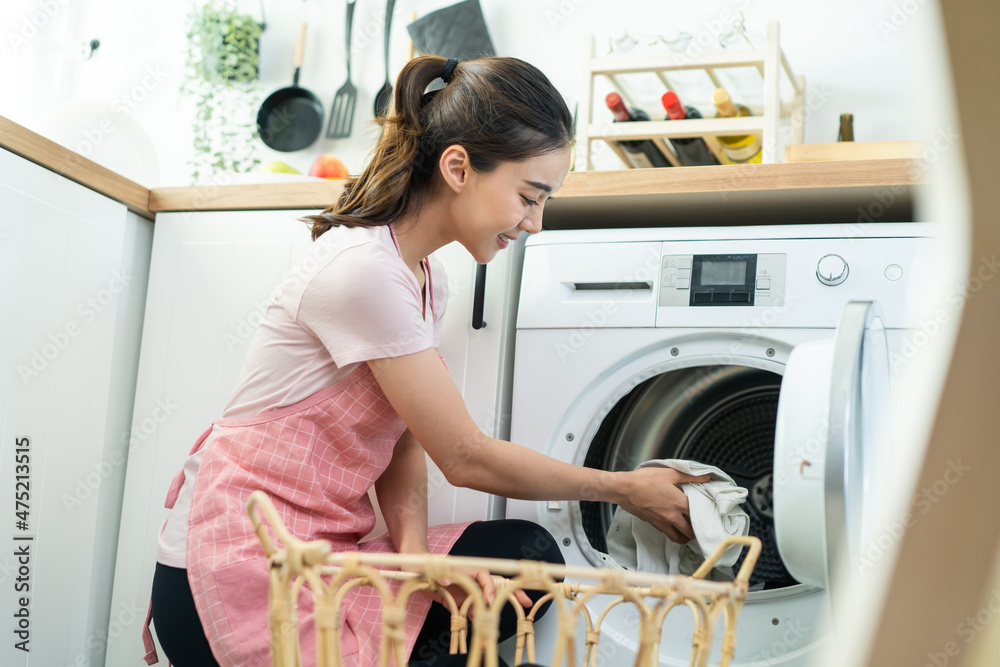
<point>714,509</point>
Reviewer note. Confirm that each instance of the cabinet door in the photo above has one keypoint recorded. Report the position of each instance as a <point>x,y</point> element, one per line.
<point>73,268</point>
<point>211,275</point>
<point>481,363</point>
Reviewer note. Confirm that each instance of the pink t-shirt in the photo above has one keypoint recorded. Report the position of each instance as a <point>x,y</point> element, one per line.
<point>349,298</point>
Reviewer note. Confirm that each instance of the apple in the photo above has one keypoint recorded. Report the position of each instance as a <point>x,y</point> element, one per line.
<point>327,166</point>
<point>279,167</point>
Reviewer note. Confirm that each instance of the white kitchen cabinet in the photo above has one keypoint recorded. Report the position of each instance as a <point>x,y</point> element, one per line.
<point>73,270</point>
<point>481,363</point>
<point>211,275</point>
<point>209,280</point>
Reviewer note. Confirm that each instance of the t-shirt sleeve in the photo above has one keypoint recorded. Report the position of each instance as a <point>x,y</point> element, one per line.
<point>363,305</point>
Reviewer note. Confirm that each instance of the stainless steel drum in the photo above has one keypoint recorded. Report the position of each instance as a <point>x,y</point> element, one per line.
<point>717,415</point>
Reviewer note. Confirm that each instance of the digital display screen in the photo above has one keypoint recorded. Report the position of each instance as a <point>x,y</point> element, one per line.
<point>714,272</point>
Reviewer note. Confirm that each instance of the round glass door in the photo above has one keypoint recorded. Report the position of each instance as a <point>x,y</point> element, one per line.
<point>830,436</point>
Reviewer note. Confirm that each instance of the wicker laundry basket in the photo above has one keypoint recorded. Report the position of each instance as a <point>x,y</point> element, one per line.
<point>329,576</point>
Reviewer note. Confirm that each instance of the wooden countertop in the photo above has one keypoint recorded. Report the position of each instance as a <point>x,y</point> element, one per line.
<point>56,157</point>
<point>733,194</point>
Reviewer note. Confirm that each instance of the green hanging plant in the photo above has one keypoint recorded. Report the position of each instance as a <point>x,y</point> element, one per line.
<point>222,67</point>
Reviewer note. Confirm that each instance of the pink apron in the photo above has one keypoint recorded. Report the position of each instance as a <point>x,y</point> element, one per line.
<point>316,459</point>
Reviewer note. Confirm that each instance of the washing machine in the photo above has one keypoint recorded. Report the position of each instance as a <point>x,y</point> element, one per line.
<point>768,351</point>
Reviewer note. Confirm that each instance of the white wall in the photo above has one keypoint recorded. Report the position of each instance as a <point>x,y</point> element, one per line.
<point>857,57</point>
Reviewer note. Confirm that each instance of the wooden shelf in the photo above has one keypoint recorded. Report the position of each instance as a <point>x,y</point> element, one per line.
<point>830,191</point>
<point>740,177</point>
<point>752,194</point>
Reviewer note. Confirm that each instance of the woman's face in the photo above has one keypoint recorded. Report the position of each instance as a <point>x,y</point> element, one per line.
<point>493,209</point>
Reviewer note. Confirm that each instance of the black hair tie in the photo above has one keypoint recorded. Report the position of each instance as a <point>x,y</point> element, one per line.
<point>449,69</point>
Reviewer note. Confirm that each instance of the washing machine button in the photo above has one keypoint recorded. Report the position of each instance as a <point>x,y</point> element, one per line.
<point>763,283</point>
<point>683,283</point>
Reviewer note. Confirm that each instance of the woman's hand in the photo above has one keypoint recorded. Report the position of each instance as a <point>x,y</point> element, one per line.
<point>653,495</point>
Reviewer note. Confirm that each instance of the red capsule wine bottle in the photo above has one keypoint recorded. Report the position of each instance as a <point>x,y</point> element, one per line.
<point>641,153</point>
<point>691,151</point>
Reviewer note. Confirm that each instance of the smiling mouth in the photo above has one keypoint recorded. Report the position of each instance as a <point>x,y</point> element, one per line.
<point>503,241</point>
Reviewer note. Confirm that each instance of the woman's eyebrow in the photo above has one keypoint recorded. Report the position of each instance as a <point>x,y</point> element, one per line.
<point>540,186</point>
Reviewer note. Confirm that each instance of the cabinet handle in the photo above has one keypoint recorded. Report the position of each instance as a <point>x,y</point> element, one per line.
<point>479,298</point>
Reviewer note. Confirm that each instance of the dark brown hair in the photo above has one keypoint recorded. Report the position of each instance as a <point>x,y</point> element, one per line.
<point>498,109</point>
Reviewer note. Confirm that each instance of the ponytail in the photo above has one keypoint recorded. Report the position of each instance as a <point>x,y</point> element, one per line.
<point>498,109</point>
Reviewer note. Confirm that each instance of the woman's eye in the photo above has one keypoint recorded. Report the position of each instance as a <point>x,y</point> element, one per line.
<point>532,202</point>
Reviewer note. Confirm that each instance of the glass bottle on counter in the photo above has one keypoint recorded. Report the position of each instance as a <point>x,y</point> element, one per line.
<point>738,149</point>
<point>691,151</point>
<point>846,132</point>
<point>641,153</point>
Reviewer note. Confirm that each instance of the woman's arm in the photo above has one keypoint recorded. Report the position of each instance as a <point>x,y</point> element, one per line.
<point>402,496</point>
<point>420,389</point>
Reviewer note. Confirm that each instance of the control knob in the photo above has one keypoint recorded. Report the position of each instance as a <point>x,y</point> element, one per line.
<point>832,270</point>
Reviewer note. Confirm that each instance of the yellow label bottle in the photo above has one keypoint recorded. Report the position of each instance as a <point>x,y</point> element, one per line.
<point>738,149</point>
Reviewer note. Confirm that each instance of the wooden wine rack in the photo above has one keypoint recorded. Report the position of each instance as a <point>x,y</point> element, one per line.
<point>769,61</point>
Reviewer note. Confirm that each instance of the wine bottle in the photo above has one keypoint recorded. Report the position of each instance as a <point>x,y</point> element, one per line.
<point>691,151</point>
<point>846,127</point>
<point>738,149</point>
<point>641,153</point>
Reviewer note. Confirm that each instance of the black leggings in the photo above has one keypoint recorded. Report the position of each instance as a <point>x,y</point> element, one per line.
<point>507,538</point>
<point>183,639</point>
<point>176,620</point>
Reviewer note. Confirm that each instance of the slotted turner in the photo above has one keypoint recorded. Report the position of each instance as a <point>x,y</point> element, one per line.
<point>342,111</point>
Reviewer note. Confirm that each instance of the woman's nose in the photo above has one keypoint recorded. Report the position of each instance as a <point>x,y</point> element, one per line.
<point>532,224</point>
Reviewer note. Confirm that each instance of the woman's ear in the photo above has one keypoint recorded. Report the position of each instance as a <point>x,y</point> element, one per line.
<point>455,167</point>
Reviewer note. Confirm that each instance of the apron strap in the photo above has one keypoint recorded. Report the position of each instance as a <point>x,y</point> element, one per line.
<point>430,286</point>
<point>178,482</point>
<point>147,638</point>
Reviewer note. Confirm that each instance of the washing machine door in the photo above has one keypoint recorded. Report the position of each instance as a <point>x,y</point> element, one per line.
<point>831,437</point>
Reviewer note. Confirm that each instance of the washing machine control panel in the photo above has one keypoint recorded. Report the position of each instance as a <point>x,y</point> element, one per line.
<point>722,280</point>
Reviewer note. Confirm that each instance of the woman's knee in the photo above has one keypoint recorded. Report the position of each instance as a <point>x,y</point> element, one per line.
<point>537,543</point>
<point>509,538</point>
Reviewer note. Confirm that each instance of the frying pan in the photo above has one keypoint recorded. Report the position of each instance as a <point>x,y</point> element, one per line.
<point>291,118</point>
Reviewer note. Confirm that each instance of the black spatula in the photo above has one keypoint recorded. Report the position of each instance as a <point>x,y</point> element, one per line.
<point>342,112</point>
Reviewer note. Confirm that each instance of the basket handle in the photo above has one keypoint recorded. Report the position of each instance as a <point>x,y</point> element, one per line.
<point>743,576</point>
<point>299,553</point>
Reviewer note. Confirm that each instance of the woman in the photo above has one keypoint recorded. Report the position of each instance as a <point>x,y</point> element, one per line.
<point>343,389</point>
